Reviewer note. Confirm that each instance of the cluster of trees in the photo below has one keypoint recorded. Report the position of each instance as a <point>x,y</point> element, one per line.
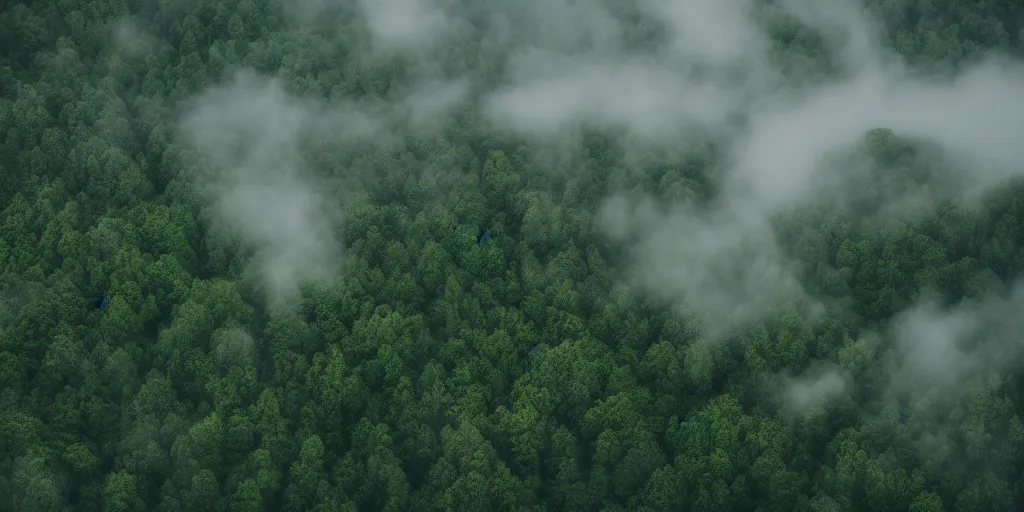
<point>433,372</point>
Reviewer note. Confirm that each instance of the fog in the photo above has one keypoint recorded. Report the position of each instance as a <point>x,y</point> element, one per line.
<point>255,140</point>
<point>783,147</point>
<point>708,71</point>
<point>814,388</point>
<point>705,70</point>
<point>404,23</point>
<point>249,131</point>
<point>938,349</point>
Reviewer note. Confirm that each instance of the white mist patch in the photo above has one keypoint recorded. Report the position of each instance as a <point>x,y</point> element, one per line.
<point>710,31</point>
<point>540,70</point>
<point>250,131</point>
<point>258,139</point>
<point>724,260</point>
<point>404,23</point>
<point>936,351</point>
<point>560,27</point>
<point>427,103</point>
<point>287,223</point>
<point>859,34</point>
<point>978,115</point>
<point>725,267</point>
<point>638,95</point>
<point>814,388</point>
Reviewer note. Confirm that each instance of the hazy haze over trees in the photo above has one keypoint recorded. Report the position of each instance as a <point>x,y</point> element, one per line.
<point>742,255</point>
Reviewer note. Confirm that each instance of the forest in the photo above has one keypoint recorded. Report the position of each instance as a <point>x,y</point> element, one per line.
<point>539,255</point>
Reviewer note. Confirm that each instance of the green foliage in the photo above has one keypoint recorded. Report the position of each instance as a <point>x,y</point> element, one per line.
<point>434,373</point>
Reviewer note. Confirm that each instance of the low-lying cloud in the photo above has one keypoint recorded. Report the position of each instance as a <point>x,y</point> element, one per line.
<point>664,73</point>
<point>725,267</point>
<point>814,388</point>
<point>936,350</point>
<point>783,146</point>
<point>404,23</point>
<point>250,132</point>
<point>256,137</point>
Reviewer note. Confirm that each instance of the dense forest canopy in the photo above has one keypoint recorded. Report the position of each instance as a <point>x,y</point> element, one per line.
<point>540,255</point>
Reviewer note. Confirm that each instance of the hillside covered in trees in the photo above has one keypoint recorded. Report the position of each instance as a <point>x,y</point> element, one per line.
<point>757,255</point>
